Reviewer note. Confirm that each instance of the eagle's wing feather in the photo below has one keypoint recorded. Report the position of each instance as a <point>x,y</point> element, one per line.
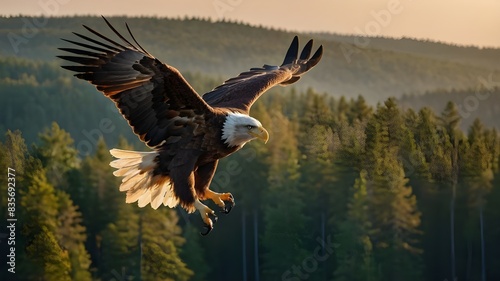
<point>242,91</point>
<point>158,103</point>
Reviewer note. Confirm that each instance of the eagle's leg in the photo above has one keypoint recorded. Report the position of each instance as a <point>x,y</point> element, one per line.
<point>223,200</point>
<point>207,215</point>
<point>188,179</point>
<point>204,175</point>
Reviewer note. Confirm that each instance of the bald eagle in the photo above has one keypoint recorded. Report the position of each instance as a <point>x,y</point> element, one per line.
<point>188,133</point>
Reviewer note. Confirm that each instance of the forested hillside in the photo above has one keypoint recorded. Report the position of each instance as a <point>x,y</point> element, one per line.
<point>36,93</point>
<point>472,55</point>
<point>378,187</point>
<point>482,103</point>
<point>223,49</point>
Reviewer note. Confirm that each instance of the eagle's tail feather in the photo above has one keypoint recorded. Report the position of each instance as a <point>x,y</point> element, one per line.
<point>138,181</point>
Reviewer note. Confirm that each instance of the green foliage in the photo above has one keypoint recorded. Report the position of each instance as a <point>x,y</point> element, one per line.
<point>15,151</point>
<point>193,254</point>
<point>380,181</point>
<point>98,202</point>
<point>164,263</point>
<point>394,214</point>
<point>71,235</point>
<point>44,212</point>
<point>161,238</point>
<point>40,225</point>
<point>13,154</point>
<point>57,153</point>
<point>284,219</point>
<point>477,102</point>
<point>45,251</point>
<point>384,179</point>
<point>119,247</point>
<point>355,251</point>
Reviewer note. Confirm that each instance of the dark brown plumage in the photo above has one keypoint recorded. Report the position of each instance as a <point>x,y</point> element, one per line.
<point>188,133</point>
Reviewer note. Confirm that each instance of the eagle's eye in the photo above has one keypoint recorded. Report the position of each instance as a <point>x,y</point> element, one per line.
<point>250,127</point>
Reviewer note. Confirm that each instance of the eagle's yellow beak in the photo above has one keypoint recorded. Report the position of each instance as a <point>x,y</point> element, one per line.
<point>259,133</point>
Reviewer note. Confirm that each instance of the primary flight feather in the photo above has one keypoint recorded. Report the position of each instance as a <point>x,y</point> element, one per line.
<point>188,134</point>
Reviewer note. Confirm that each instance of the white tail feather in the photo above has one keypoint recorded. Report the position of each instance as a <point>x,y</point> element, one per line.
<point>144,199</point>
<point>158,194</point>
<point>138,181</point>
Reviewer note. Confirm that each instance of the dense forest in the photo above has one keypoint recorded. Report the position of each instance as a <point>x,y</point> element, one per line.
<point>35,93</point>
<point>342,191</point>
<point>482,102</point>
<point>351,186</point>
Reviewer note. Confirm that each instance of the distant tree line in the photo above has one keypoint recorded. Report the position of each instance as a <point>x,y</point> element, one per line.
<point>481,102</point>
<point>375,67</point>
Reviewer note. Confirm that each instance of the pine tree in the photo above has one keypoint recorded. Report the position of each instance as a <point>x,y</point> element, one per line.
<point>354,254</point>
<point>318,142</point>
<point>57,153</point>
<point>163,263</point>
<point>71,236</point>
<point>450,119</point>
<point>359,111</point>
<point>52,260</point>
<point>428,137</point>
<point>58,156</point>
<point>492,228</point>
<point>477,173</point>
<point>284,219</point>
<point>119,245</point>
<point>348,153</point>
<point>343,109</point>
<point>488,226</point>
<point>13,155</point>
<point>478,165</point>
<point>161,240</point>
<point>393,209</point>
<point>44,212</point>
<point>16,151</point>
<point>317,111</point>
<point>193,254</point>
<point>39,211</point>
<point>433,195</point>
<point>97,196</point>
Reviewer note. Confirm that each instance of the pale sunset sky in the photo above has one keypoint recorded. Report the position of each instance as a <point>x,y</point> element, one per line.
<point>464,22</point>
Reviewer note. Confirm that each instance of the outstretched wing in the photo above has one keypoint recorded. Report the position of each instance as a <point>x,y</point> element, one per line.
<point>158,103</point>
<point>242,91</point>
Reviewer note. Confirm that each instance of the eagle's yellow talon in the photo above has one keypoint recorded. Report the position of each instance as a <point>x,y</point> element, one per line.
<point>224,200</point>
<point>207,215</point>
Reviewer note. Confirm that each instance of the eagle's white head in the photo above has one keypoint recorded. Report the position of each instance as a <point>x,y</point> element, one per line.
<point>239,129</point>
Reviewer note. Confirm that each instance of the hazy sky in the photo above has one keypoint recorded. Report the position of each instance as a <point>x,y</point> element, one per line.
<point>466,22</point>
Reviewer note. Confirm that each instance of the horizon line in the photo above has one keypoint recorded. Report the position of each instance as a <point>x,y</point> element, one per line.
<point>263,26</point>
